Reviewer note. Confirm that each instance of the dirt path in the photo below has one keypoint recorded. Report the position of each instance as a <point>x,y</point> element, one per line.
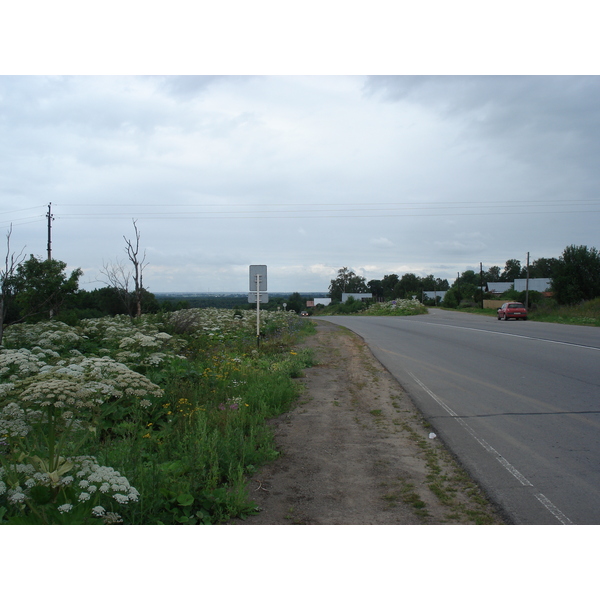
<point>354,450</point>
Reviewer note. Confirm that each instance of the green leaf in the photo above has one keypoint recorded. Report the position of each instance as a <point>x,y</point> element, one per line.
<point>185,499</point>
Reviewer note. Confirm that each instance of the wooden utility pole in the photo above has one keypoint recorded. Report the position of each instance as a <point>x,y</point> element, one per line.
<point>527,285</point>
<point>481,282</point>
<point>50,218</point>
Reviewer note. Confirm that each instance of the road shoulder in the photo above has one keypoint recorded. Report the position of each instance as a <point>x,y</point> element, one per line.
<point>354,450</point>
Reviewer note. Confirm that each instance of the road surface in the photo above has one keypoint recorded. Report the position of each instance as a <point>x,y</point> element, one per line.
<point>517,402</point>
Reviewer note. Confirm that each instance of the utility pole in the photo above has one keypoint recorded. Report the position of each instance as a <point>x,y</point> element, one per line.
<point>481,282</point>
<point>50,218</point>
<point>527,285</point>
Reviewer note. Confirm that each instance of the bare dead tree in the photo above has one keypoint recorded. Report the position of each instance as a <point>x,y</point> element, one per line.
<point>133,252</point>
<point>128,282</point>
<point>11,264</point>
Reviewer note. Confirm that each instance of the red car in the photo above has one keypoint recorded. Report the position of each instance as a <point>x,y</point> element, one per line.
<point>512,310</point>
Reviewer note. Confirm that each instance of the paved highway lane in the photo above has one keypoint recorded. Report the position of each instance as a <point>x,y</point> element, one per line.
<point>518,402</point>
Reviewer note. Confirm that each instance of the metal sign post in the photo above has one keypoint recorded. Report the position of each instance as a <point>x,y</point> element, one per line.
<point>258,288</point>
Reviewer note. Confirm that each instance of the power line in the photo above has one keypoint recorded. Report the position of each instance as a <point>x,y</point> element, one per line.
<point>22,209</point>
<point>24,221</point>
<point>284,215</point>
<point>439,203</point>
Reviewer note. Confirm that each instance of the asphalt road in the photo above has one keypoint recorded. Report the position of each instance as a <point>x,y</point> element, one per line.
<point>518,403</point>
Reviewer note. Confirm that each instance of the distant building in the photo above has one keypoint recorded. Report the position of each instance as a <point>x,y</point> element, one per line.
<point>435,294</point>
<point>323,301</point>
<point>498,287</point>
<point>541,284</point>
<point>356,296</point>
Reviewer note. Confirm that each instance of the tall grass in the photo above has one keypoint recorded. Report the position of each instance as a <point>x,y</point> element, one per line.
<point>211,430</point>
<point>586,313</point>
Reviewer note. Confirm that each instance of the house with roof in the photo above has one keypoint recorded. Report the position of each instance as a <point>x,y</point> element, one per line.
<point>434,294</point>
<point>498,287</point>
<point>537,284</point>
<point>356,296</point>
<point>317,301</point>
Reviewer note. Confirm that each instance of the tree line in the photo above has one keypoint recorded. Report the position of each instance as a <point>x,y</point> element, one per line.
<point>575,278</point>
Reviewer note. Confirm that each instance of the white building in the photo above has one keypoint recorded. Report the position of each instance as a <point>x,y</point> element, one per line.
<point>356,296</point>
<point>323,301</point>
<point>540,284</point>
<point>433,294</point>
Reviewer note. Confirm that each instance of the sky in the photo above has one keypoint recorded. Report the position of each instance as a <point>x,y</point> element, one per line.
<point>416,172</point>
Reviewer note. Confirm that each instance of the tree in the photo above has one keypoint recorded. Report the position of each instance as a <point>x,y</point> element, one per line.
<point>376,288</point>
<point>346,281</point>
<point>429,283</point>
<point>408,286</point>
<point>451,299</point>
<point>121,279</point>
<point>389,282</point>
<point>512,270</point>
<point>133,251</point>
<point>7,275</point>
<point>464,288</point>
<point>492,274</point>
<point>296,302</point>
<point>543,268</point>
<point>41,287</point>
<point>577,275</point>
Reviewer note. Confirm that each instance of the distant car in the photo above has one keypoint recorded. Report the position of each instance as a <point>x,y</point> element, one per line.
<point>304,314</point>
<point>512,310</point>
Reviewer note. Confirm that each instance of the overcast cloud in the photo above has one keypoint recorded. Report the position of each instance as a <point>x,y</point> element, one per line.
<point>429,175</point>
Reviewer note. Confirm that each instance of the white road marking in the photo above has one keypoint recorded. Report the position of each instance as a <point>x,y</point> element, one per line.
<point>525,337</point>
<point>557,513</point>
<point>510,468</point>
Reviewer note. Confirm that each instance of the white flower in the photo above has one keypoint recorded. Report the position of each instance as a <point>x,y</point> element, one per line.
<point>65,508</point>
<point>84,496</point>
<point>17,497</point>
<point>98,511</point>
<point>121,499</point>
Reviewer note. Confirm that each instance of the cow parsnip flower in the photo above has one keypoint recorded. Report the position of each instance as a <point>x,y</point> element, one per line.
<point>88,480</point>
<point>53,335</point>
<point>18,363</point>
<point>84,384</point>
<point>13,421</point>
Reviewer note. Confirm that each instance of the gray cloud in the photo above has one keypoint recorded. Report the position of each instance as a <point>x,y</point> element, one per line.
<point>538,119</point>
